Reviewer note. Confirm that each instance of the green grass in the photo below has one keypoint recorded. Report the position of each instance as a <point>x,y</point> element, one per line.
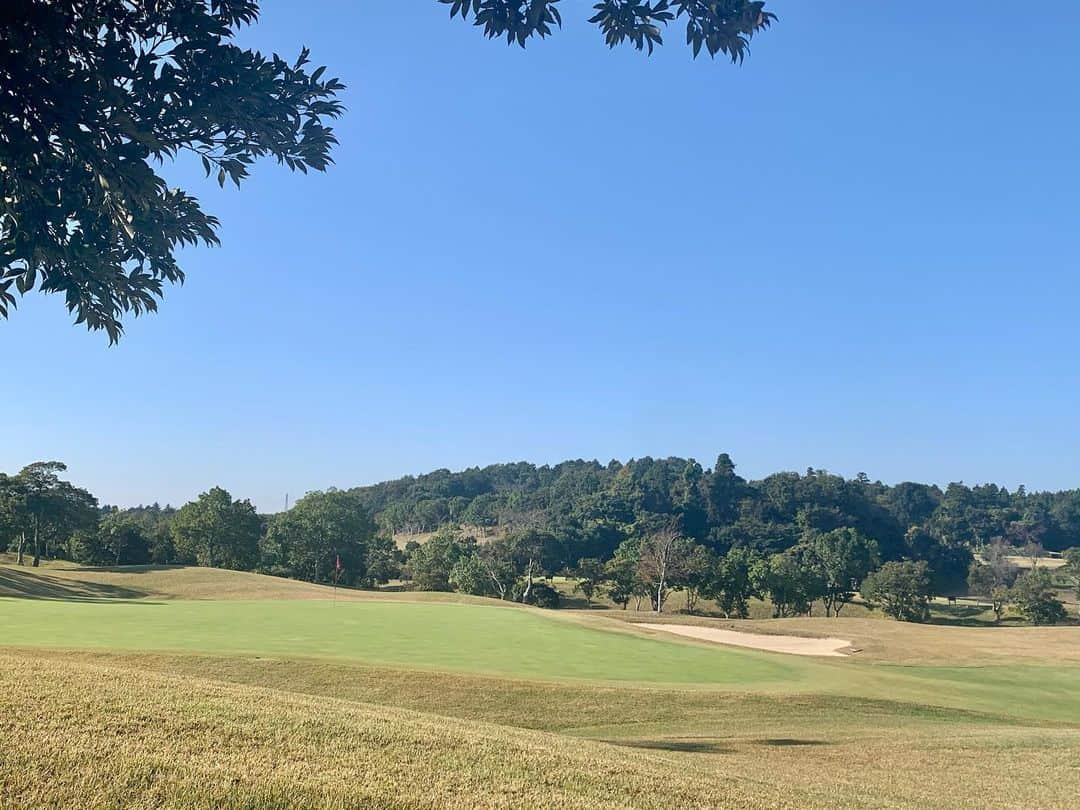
<point>513,642</point>
<point>466,638</point>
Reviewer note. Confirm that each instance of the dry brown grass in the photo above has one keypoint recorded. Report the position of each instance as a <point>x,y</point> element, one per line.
<point>61,580</point>
<point>84,735</point>
<point>104,730</point>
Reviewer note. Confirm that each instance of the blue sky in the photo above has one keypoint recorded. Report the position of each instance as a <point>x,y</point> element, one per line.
<point>857,251</point>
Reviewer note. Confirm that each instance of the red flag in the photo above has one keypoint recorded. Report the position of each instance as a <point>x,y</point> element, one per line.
<point>337,563</point>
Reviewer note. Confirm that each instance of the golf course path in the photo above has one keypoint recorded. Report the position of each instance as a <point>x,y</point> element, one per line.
<point>796,645</point>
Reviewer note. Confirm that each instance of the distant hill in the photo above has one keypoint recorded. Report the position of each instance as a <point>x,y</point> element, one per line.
<point>593,506</point>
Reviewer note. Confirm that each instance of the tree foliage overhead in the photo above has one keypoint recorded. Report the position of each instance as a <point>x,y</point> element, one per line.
<point>718,26</point>
<point>97,94</point>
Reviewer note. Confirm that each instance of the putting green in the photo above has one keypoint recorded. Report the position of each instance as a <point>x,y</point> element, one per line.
<point>465,638</point>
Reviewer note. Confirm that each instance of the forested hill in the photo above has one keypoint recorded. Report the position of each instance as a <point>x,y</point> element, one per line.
<point>594,506</point>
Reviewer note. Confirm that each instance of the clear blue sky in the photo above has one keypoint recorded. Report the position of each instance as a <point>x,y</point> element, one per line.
<point>858,251</point>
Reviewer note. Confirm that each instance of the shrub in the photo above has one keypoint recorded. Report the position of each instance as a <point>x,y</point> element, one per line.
<point>1036,600</point>
<point>541,595</point>
<point>901,590</point>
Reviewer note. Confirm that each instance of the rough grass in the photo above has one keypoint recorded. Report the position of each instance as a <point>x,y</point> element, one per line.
<point>77,735</point>
<point>105,730</point>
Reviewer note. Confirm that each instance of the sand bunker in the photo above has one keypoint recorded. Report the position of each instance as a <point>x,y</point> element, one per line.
<point>795,645</point>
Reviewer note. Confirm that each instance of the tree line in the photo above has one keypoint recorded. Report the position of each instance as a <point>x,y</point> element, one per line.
<point>44,516</point>
<point>636,532</point>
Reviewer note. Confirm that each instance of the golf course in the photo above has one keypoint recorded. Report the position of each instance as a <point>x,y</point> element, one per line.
<point>178,686</point>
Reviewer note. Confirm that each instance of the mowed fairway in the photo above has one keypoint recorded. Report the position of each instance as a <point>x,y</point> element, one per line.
<point>122,690</point>
<point>459,637</point>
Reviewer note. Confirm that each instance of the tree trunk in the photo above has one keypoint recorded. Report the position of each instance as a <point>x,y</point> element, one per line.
<point>22,546</point>
<point>498,585</point>
<point>37,543</point>
<point>528,583</point>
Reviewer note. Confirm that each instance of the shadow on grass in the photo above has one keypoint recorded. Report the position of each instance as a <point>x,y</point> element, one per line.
<point>27,585</point>
<point>705,745</point>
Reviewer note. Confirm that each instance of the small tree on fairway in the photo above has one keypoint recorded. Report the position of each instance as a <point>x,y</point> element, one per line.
<point>983,578</point>
<point>698,576</point>
<point>1032,548</point>
<point>1035,598</point>
<point>791,583</point>
<point>1000,597</point>
<point>541,594</point>
<point>992,581</point>
<point>663,559</point>
<point>589,573</point>
<point>469,576</point>
<point>739,575</point>
<point>430,564</point>
<point>497,560</point>
<point>382,562</point>
<point>844,557</point>
<point>901,590</point>
<point>534,553</point>
<point>621,574</point>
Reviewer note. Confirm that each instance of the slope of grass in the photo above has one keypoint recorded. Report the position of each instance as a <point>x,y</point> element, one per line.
<point>67,581</point>
<point>84,736</point>
<point>119,730</point>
